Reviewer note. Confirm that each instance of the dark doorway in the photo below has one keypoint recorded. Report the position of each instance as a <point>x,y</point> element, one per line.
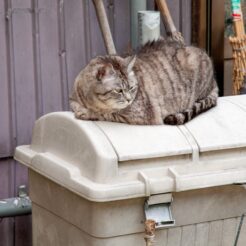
<point>208,25</point>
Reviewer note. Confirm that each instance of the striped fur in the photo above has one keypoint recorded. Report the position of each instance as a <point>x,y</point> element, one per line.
<point>187,115</point>
<point>166,83</point>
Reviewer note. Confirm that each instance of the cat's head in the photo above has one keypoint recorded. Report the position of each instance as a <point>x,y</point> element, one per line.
<point>110,84</point>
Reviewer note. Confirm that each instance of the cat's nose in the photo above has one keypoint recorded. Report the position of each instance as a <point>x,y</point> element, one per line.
<point>128,97</point>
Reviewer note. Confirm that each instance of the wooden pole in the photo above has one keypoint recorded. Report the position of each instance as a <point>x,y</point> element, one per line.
<point>104,25</point>
<point>168,21</point>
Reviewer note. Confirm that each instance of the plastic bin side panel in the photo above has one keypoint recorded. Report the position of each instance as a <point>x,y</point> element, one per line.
<point>80,143</point>
<point>50,230</point>
<point>95,218</point>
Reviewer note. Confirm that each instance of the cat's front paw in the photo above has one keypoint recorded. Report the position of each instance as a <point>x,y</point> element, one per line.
<point>85,115</point>
<point>81,114</point>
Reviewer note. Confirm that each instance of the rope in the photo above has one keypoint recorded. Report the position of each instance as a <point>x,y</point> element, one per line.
<point>149,232</point>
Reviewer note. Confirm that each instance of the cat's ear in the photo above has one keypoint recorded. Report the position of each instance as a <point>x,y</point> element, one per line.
<point>130,62</point>
<point>105,71</point>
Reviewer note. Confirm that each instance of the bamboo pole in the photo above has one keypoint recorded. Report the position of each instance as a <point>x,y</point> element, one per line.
<point>238,44</point>
<point>104,25</point>
<point>168,21</point>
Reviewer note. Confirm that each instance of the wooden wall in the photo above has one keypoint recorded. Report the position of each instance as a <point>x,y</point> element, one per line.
<point>43,46</point>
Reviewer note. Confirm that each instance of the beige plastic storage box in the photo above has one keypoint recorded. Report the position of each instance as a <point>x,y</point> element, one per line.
<point>93,183</point>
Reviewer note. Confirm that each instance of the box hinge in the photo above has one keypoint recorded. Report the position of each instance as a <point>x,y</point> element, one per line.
<point>158,208</point>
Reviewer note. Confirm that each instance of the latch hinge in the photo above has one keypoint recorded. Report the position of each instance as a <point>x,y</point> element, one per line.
<point>158,208</point>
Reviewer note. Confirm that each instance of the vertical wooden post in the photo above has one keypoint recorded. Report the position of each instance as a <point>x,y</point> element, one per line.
<point>217,40</point>
<point>168,21</point>
<point>104,25</point>
<point>200,23</point>
<point>208,33</point>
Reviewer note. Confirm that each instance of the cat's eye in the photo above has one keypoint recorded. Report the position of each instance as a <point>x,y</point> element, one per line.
<point>132,88</point>
<point>118,90</point>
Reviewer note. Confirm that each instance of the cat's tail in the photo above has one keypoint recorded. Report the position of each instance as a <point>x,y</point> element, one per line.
<point>198,108</point>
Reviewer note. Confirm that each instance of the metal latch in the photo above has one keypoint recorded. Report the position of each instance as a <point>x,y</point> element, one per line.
<point>158,208</point>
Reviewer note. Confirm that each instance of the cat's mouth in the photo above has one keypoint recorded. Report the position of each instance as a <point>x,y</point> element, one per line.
<point>120,105</point>
<point>112,106</point>
<point>125,103</point>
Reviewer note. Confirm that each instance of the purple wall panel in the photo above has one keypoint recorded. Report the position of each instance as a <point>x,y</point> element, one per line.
<point>2,7</point>
<point>122,25</point>
<point>24,94</point>
<point>23,229</point>
<point>6,177</point>
<point>13,231</point>
<point>49,56</point>
<point>22,4</point>
<point>62,54</point>
<point>150,4</point>
<point>76,42</point>
<point>5,138</point>
<point>24,75</point>
<point>174,8</point>
<point>96,40</point>
<point>186,20</point>
<point>7,232</point>
<point>6,181</point>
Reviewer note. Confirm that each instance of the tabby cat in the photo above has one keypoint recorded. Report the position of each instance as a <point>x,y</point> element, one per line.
<point>165,83</point>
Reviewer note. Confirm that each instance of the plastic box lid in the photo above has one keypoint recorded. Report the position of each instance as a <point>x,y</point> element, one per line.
<point>104,161</point>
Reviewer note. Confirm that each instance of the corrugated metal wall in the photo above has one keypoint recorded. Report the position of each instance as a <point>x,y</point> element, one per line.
<point>43,46</point>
